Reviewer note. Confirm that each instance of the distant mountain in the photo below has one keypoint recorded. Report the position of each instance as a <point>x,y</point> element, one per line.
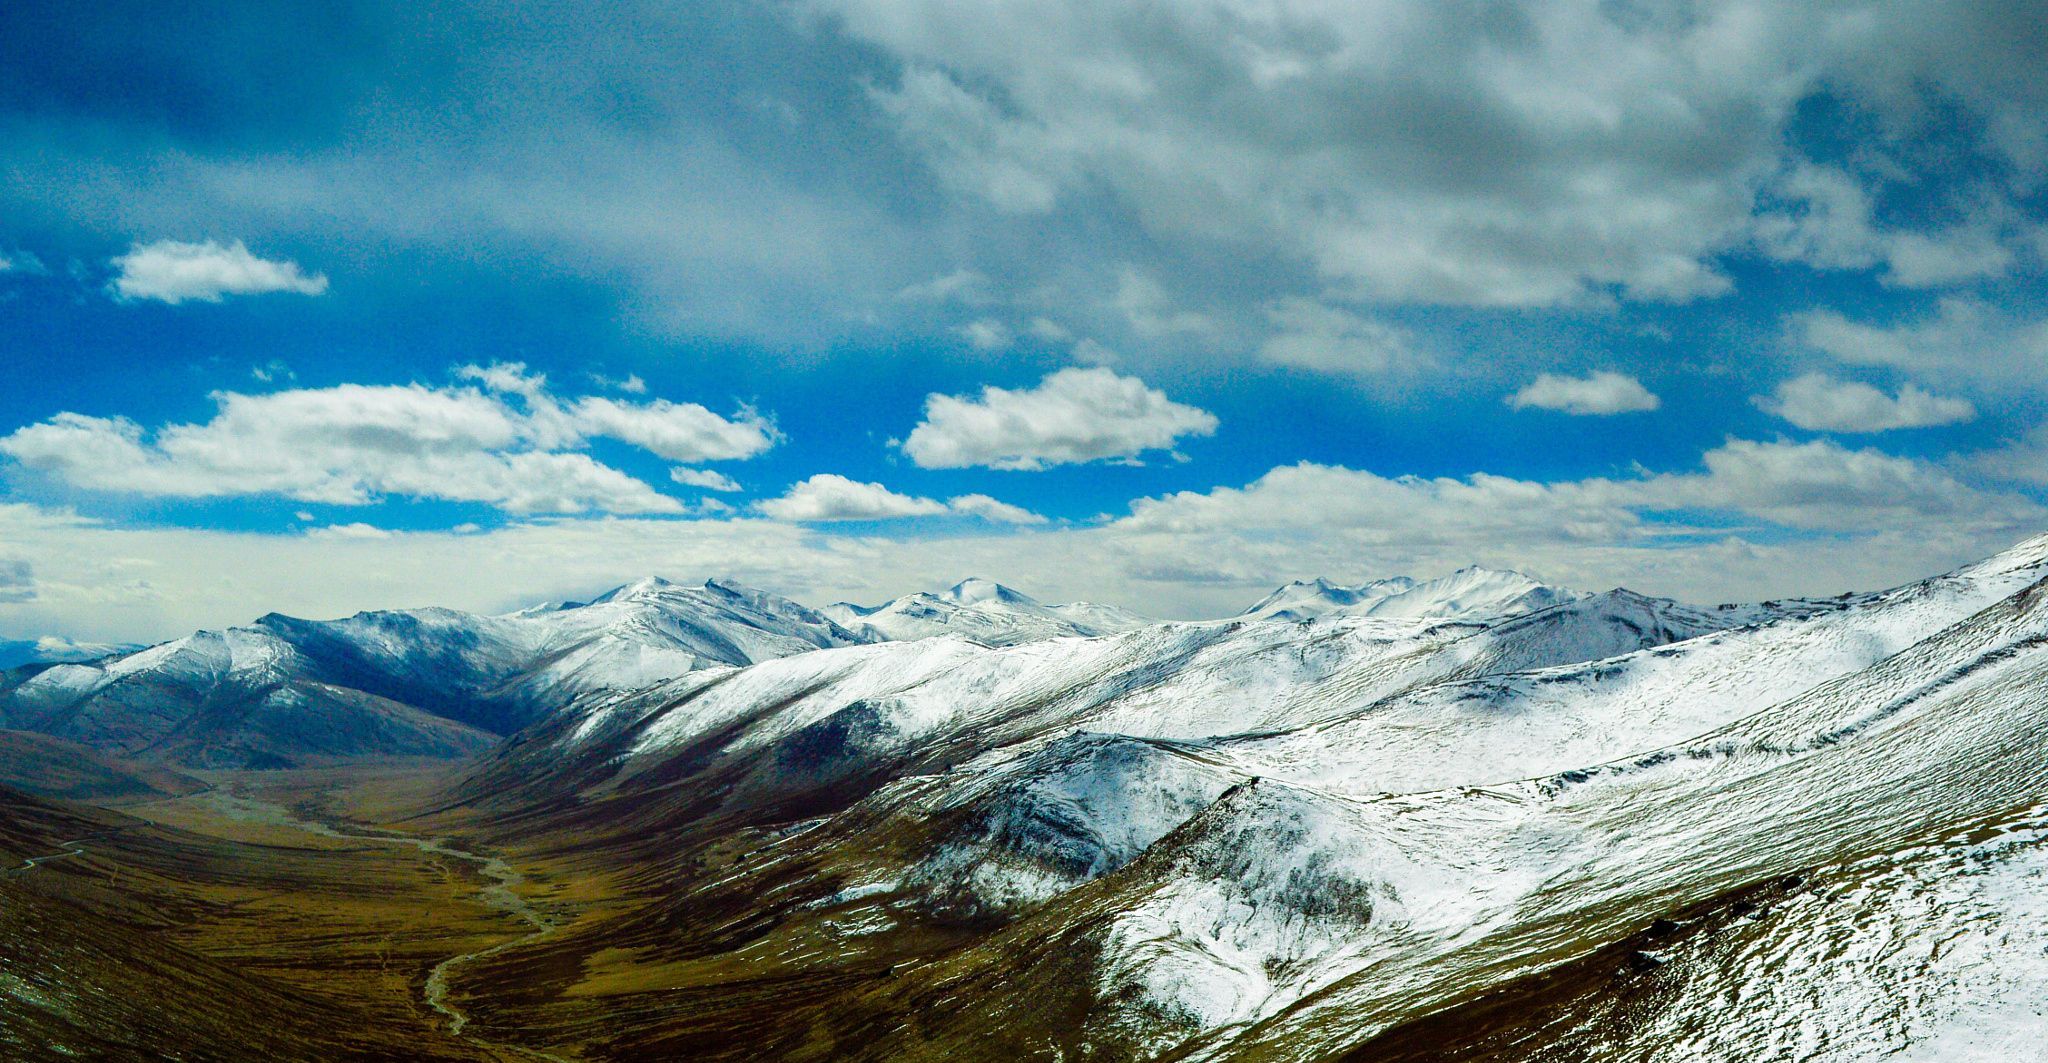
<point>1468,592</point>
<point>1370,837</point>
<point>982,610</point>
<point>14,653</point>
<point>820,727</point>
<point>421,682</point>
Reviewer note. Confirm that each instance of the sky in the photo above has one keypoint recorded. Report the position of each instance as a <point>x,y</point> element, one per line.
<point>318,308</point>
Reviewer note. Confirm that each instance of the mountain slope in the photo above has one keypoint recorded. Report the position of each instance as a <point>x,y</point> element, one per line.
<point>1266,839</point>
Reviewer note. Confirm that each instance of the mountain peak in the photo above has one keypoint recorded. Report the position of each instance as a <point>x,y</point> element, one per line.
<point>645,586</point>
<point>1474,590</point>
<point>974,590</point>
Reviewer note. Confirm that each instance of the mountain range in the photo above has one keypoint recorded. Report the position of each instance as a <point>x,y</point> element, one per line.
<point>434,682</point>
<point>1473,818</point>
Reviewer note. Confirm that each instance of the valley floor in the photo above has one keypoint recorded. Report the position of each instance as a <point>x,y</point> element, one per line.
<point>272,915</point>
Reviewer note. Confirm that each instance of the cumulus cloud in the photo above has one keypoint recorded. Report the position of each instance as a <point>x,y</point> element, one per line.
<point>1074,415</point>
<point>708,479</point>
<point>1822,403</point>
<point>829,497</point>
<point>681,432</point>
<point>684,432</point>
<point>1597,394</point>
<point>992,510</point>
<point>352,444</point>
<point>173,272</point>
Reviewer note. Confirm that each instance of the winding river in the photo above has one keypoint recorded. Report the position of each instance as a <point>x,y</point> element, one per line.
<point>501,894</point>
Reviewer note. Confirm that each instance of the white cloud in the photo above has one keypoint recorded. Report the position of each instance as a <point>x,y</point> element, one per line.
<point>1599,394</point>
<point>1752,520</point>
<point>1313,335</point>
<point>173,272</point>
<point>631,383</point>
<point>1530,155</point>
<point>985,334</point>
<point>1964,340</point>
<point>1505,154</point>
<point>352,444</point>
<point>1051,331</point>
<point>1822,403</point>
<point>58,648</point>
<point>1150,310</point>
<point>829,497</point>
<point>1827,222</point>
<point>354,530</point>
<point>681,432</point>
<point>708,479</point>
<point>963,286</point>
<point>511,378</point>
<point>1074,415</point>
<point>2019,461</point>
<point>1823,486</point>
<point>990,509</point>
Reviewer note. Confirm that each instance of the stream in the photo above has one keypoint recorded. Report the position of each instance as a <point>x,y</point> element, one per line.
<point>501,895</point>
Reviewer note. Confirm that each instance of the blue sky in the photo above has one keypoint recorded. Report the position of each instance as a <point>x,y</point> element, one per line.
<point>1717,300</point>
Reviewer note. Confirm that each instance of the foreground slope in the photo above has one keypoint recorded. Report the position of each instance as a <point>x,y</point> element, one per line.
<point>1274,839</point>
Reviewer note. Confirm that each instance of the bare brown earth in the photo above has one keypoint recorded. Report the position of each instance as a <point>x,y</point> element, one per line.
<point>350,913</point>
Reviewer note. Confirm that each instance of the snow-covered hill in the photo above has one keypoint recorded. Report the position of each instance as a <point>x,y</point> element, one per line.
<point>1468,592</point>
<point>1263,838</point>
<point>984,611</point>
<point>431,682</point>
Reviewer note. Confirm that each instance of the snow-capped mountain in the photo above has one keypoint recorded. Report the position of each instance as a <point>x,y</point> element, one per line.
<point>1468,592</point>
<point>1246,839</point>
<point>433,682</point>
<point>982,610</point>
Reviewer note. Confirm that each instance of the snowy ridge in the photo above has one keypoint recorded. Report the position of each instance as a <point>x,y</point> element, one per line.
<point>1468,592</point>
<point>982,610</point>
<point>483,675</point>
<point>1277,839</point>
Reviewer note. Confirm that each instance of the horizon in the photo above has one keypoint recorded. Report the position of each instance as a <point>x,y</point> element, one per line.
<point>58,649</point>
<point>462,309</point>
